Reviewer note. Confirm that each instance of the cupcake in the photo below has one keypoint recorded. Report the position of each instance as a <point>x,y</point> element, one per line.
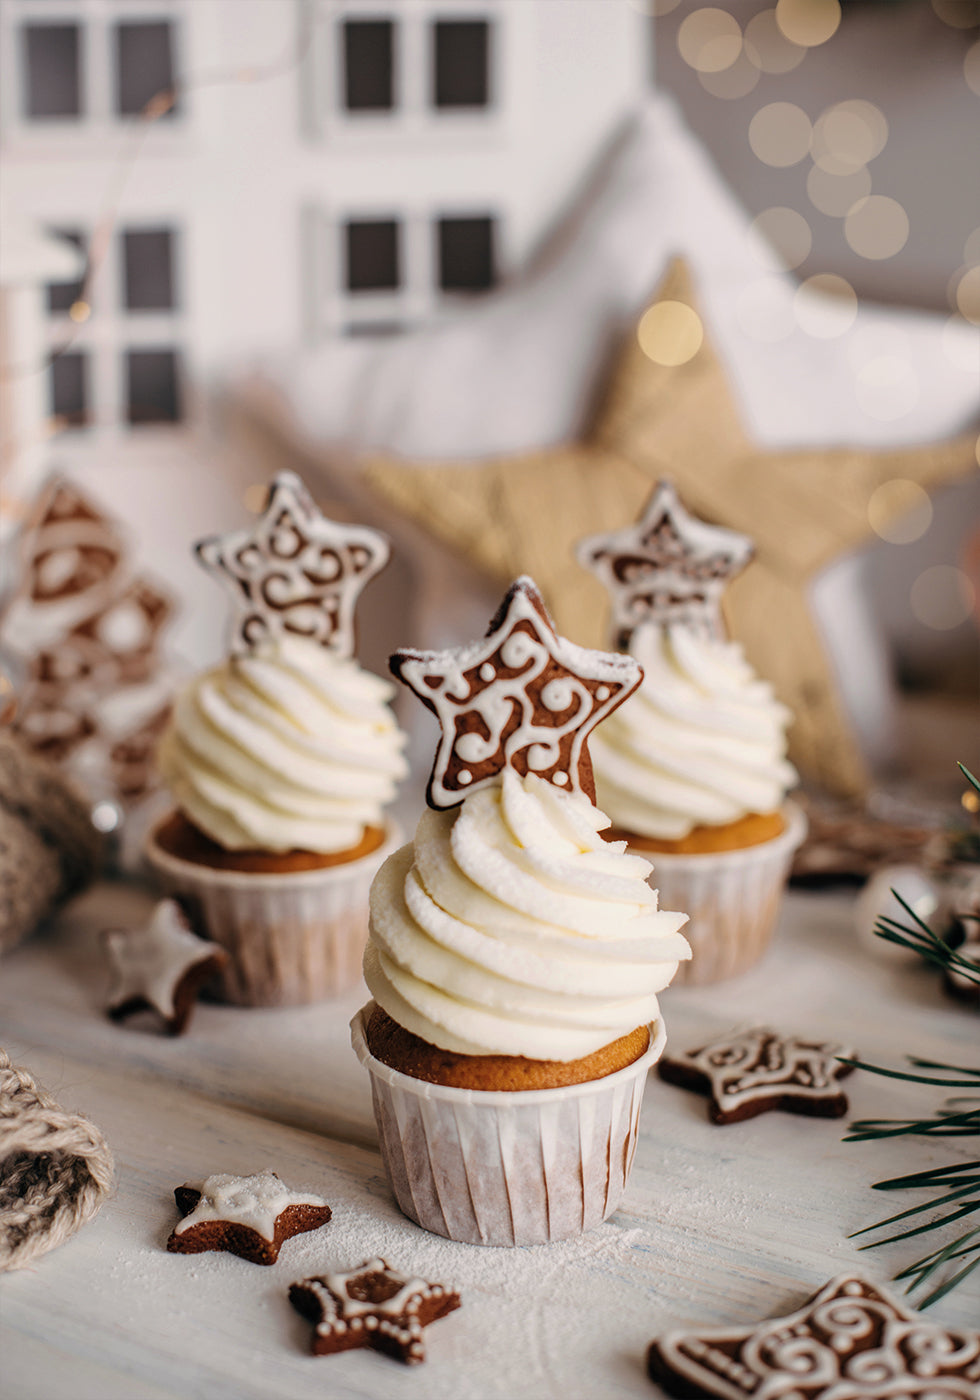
<point>693,769</point>
<point>281,761</point>
<point>514,955</point>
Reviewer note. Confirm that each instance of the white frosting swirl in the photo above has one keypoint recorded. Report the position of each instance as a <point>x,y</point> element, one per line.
<point>703,740</point>
<point>510,927</point>
<point>289,747</point>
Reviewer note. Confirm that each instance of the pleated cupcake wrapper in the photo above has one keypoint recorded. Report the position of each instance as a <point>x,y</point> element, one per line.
<point>732,899</point>
<point>507,1168</point>
<point>292,938</point>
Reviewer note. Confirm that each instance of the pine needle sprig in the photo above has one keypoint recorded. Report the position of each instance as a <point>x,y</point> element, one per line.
<point>958,1184</point>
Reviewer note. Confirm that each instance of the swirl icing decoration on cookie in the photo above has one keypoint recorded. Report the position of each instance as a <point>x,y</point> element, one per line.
<point>523,698</point>
<point>851,1339</point>
<point>371,1306</point>
<point>669,567</point>
<point>747,1072</point>
<point>296,573</point>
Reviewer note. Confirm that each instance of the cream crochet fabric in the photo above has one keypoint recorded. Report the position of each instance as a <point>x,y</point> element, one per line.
<point>55,1169</point>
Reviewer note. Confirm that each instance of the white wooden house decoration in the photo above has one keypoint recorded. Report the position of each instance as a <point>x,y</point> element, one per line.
<point>330,167</point>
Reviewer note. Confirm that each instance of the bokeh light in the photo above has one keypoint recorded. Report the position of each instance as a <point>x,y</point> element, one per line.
<point>670,333</point>
<point>825,306</point>
<point>900,511</point>
<point>887,388</point>
<point>731,83</point>
<point>787,233</point>
<point>764,311</point>
<point>808,22</point>
<point>79,312</point>
<point>942,597</point>
<point>958,14</point>
<point>847,135</point>
<point>877,227</point>
<point>780,133</point>
<point>971,68</point>
<point>767,46</point>
<point>837,195</point>
<point>967,294</point>
<point>709,40</point>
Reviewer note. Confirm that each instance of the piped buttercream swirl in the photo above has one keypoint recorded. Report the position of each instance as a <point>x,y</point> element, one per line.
<point>703,740</point>
<point>511,927</point>
<point>289,747</point>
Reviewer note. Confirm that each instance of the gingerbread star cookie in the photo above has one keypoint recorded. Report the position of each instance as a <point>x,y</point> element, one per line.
<point>251,1216</point>
<point>751,1071</point>
<point>668,567</point>
<point>161,965</point>
<point>851,1339</point>
<point>371,1306</point>
<point>296,573</point>
<point>522,698</point>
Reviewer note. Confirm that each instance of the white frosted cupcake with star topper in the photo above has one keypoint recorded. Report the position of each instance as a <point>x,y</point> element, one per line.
<point>693,769</point>
<point>282,760</point>
<point>515,956</point>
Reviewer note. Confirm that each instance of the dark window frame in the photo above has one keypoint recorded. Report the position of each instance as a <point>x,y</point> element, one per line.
<point>452,277</point>
<point>75,110</point>
<point>454,42</point>
<point>357,278</point>
<point>362,91</point>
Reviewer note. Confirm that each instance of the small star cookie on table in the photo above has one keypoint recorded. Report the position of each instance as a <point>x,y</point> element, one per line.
<point>523,698</point>
<point>161,965</point>
<point>751,1071</point>
<point>371,1306</point>
<point>851,1339</point>
<point>251,1216</point>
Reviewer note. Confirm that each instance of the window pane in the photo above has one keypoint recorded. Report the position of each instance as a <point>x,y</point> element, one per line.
<point>151,389</point>
<point>368,65</point>
<point>148,277</point>
<point>69,387</point>
<point>63,295</point>
<point>466,254</point>
<point>372,255</point>
<point>144,65</point>
<point>53,86</point>
<point>461,67</point>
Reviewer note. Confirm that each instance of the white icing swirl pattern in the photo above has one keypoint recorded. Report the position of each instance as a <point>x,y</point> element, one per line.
<point>702,742</point>
<point>510,927</point>
<point>289,747</point>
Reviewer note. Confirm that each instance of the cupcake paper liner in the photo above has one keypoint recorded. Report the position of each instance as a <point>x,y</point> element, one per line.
<point>292,938</point>
<point>732,899</point>
<point>506,1168</point>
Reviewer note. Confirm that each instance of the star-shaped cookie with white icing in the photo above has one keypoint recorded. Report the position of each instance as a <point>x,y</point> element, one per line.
<point>296,572</point>
<point>161,965</point>
<point>371,1306</point>
<point>851,1339</point>
<point>522,698</point>
<point>251,1216</point>
<point>668,567</point>
<point>750,1071</point>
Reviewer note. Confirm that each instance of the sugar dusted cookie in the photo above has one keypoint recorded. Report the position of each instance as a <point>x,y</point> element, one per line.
<point>750,1071</point>
<point>162,965</point>
<point>850,1339</point>
<point>522,698</point>
<point>250,1216</point>
<point>371,1306</point>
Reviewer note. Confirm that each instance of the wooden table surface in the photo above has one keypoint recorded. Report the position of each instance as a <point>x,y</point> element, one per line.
<point>718,1225</point>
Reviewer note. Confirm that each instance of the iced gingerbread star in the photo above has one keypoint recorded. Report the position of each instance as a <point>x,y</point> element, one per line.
<point>668,567</point>
<point>850,1339</point>
<point>295,573</point>
<point>371,1306</point>
<point>750,1071</point>
<point>522,698</point>
<point>161,966</point>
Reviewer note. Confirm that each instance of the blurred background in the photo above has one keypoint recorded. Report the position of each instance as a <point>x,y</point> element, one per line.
<point>242,234</point>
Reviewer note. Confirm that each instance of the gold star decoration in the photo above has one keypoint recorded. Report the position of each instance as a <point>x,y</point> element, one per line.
<point>523,698</point>
<point>295,572</point>
<point>803,508</point>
